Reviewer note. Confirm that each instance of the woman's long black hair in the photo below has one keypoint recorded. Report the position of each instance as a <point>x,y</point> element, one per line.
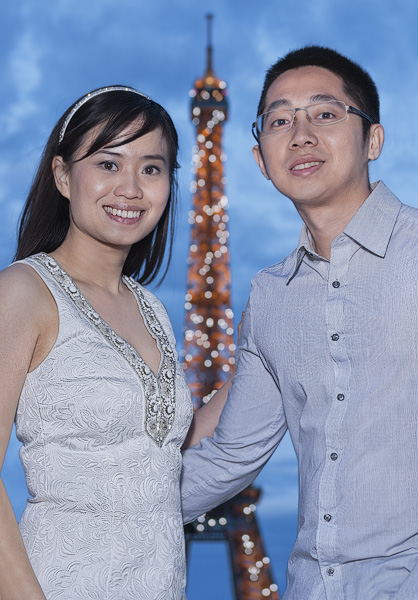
<point>45,217</point>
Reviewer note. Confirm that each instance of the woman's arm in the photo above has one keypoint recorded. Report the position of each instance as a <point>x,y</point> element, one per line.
<point>24,320</point>
<point>207,417</point>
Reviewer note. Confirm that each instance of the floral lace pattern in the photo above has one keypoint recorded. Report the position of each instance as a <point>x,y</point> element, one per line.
<point>159,389</point>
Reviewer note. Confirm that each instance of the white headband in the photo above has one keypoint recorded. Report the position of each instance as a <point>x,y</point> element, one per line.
<point>87,97</point>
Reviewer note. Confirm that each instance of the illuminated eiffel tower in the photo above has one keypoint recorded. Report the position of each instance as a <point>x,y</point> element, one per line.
<point>208,351</point>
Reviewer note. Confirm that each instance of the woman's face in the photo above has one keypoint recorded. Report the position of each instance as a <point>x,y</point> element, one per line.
<point>118,194</point>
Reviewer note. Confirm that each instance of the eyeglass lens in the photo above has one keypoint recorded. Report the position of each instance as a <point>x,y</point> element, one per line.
<point>322,113</point>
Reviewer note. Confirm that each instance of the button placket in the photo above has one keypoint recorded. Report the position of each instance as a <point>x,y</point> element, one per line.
<point>331,576</point>
<point>335,320</point>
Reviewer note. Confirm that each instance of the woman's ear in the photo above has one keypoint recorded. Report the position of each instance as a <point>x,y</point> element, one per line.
<point>61,175</point>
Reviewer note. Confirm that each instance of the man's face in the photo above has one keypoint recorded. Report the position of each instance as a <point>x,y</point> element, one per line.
<point>316,165</point>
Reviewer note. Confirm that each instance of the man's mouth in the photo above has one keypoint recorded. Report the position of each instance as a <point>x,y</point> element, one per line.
<point>306,165</point>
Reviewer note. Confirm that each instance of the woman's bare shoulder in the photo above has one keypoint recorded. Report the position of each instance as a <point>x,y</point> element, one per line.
<point>22,292</point>
<point>29,321</point>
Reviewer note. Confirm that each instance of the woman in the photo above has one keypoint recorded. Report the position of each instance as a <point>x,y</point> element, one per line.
<point>88,364</point>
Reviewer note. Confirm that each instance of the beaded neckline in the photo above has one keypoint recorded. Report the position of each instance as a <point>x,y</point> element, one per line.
<point>159,388</point>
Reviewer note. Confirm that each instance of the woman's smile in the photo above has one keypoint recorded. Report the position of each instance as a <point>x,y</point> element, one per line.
<point>123,215</point>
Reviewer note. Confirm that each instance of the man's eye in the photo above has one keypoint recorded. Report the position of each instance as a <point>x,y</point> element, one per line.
<point>326,115</point>
<point>275,121</point>
<point>280,122</point>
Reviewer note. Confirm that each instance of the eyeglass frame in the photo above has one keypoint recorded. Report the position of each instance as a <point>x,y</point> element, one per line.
<point>348,108</point>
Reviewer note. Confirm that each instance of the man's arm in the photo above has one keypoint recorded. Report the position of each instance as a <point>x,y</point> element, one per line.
<point>409,587</point>
<point>251,426</point>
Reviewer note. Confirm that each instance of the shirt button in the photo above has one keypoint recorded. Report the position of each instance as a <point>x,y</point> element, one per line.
<point>327,518</point>
<point>335,337</point>
<point>330,571</point>
<point>340,397</point>
<point>334,456</point>
<point>335,284</point>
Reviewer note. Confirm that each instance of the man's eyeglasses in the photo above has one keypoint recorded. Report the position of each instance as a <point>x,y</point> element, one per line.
<point>281,120</point>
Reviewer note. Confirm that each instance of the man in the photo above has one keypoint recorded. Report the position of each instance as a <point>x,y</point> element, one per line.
<point>329,344</point>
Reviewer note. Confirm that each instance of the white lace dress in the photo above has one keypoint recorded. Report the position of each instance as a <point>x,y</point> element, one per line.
<point>101,437</point>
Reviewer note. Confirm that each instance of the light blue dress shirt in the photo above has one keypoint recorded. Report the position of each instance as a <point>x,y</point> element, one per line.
<point>329,351</point>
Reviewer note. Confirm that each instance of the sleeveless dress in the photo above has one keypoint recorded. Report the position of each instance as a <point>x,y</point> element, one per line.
<point>101,437</point>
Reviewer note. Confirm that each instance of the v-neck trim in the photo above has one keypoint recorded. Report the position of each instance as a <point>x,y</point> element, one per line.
<point>159,387</point>
<point>140,301</point>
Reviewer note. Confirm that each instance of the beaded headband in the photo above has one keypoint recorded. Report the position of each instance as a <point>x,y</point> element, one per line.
<point>87,97</point>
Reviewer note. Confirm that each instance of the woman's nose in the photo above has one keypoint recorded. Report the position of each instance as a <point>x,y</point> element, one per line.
<point>129,186</point>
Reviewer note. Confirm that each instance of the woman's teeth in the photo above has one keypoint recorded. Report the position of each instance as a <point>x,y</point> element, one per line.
<point>125,214</point>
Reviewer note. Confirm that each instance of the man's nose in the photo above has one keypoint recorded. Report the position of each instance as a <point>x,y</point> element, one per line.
<point>302,131</point>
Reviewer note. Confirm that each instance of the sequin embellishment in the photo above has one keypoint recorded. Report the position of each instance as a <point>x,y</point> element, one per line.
<point>159,389</point>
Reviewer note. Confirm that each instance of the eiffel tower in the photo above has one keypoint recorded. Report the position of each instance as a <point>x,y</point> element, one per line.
<point>208,351</point>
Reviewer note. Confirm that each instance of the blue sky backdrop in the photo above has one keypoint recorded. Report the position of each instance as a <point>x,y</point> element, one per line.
<point>54,52</point>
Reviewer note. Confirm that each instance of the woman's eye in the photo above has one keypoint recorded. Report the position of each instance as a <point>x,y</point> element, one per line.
<point>108,165</point>
<point>151,170</point>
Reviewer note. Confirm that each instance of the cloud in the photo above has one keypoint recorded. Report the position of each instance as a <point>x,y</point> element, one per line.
<point>24,72</point>
<point>84,15</point>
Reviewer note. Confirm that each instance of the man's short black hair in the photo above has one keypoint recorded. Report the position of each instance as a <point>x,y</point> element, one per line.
<point>357,83</point>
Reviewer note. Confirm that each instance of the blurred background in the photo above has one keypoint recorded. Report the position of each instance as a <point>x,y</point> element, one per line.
<point>54,52</point>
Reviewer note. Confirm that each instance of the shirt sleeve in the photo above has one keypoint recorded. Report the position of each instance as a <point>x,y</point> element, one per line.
<point>250,428</point>
<point>409,587</point>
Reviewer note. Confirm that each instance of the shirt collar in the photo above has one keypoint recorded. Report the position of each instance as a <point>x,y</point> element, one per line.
<point>373,223</point>
<point>371,226</point>
<point>305,246</point>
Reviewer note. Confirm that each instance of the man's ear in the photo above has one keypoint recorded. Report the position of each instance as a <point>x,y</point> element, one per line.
<point>61,176</point>
<point>258,157</point>
<point>376,139</point>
